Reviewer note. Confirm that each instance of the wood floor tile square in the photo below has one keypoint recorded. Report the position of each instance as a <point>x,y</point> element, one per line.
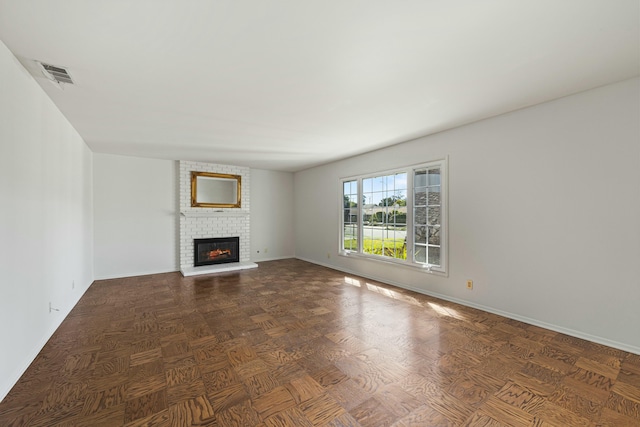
<point>508,414</point>
<point>228,397</point>
<point>274,401</point>
<point>287,418</point>
<point>239,415</point>
<point>107,417</point>
<point>576,403</point>
<point>612,418</point>
<point>219,379</point>
<point>196,411</point>
<point>518,396</point>
<point>589,384</point>
<point>98,401</point>
<point>251,368</point>
<point>321,409</point>
<point>159,419</point>
<point>146,385</point>
<point>175,376</point>
<point>328,376</point>
<point>424,416</point>
<point>241,354</point>
<point>556,415</point>
<point>260,384</point>
<point>598,367</point>
<point>630,374</point>
<point>628,407</point>
<point>304,388</point>
<point>146,356</point>
<point>627,391</point>
<point>145,405</point>
<point>185,390</point>
<point>372,413</point>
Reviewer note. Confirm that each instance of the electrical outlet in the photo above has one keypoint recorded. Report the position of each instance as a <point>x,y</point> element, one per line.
<point>469,284</point>
<point>266,250</point>
<point>328,254</point>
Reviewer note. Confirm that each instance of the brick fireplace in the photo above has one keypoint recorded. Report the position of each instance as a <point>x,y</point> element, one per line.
<point>206,223</point>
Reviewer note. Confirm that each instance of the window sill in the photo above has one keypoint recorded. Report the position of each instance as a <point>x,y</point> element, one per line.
<point>420,267</point>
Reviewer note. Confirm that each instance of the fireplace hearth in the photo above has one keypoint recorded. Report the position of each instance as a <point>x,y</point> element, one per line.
<point>218,250</point>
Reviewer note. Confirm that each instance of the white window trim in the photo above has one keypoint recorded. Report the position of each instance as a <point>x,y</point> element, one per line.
<point>443,268</point>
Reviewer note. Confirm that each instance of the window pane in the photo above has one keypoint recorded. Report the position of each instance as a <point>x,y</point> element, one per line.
<point>350,237</point>
<point>390,182</point>
<point>420,254</point>
<point>378,183</point>
<point>350,215</point>
<point>434,235</point>
<point>434,176</point>
<point>367,185</point>
<point>377,198</point>
<point>370,246</point>
<point>420,178</point>
<point>434,215</point>
<point>420,197</point>
<point>385,216</point>
<point>434,195</point>
<point>399,218</point>
<point>434,255</point>
<point>367,233</point>
<point>420,216</point>
<point>401,181</point>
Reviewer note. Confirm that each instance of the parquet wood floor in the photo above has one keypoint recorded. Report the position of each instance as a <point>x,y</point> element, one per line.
<point>295,344</point>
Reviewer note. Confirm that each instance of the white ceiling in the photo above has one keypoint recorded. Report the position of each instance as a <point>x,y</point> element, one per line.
<point>288,84</point>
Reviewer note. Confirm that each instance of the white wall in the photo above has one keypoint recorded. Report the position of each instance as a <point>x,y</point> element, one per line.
<point>544,209</point>
<point>271,215</point>
<point>135,216</point>
<point>46,246</point>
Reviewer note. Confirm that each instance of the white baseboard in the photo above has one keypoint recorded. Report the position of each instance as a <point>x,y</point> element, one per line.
<point>278,258</point>
<point>135,274</point>
<point>530,321</point>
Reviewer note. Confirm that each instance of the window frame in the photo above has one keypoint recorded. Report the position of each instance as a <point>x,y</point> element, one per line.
<point>410,262</point>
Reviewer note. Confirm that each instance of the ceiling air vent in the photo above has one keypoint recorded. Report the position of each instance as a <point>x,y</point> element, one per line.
<point>55,73</point>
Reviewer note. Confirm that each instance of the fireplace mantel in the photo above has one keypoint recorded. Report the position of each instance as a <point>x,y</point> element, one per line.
<point>211,214</point>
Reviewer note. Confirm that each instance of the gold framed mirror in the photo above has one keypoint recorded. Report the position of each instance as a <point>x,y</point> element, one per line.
<point>215,190</point>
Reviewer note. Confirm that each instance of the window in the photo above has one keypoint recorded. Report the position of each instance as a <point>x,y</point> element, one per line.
<point>384,215</point>
<point>397,216</point>
<point>427,216</point>
<point>350,216</point>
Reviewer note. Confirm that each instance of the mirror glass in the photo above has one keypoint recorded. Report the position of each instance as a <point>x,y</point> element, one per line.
<point>215,190</point>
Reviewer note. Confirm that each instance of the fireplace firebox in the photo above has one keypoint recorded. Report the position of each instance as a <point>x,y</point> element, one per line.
<point>217,250</point>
